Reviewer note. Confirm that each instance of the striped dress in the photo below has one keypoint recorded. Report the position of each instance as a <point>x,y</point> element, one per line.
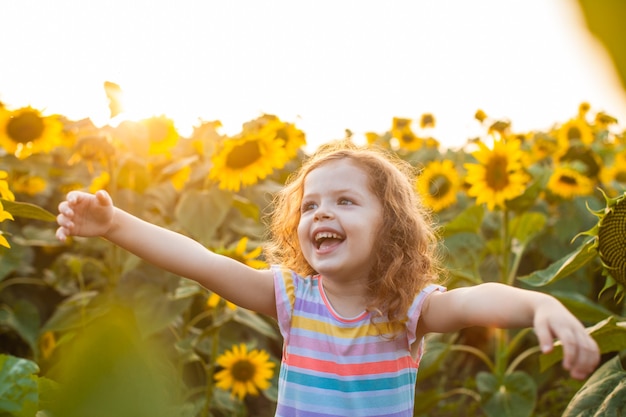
<point>335,366</point>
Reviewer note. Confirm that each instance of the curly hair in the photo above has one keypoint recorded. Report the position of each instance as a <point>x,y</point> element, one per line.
<point>405,256</point>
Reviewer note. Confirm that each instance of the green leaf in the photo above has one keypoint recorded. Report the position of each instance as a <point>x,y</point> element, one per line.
<point>107,369</point>
<point>563,267</point>
<point>74,312</point>
<point>23,318</point>
<point>515,396</point>
<point>431,362</point>
<point>604,393</point>
<point>463,255</point>
<point>254,321</point>
<point>13,259</point>
<point>202,212</point>
<point>582,307</point>
<point>525,227</point>
<point>18,386</point>
<point>154,308</point>
<point>468,221</point>
<point>609,334</point>
<point>246,207</point>
<point>27,210</point>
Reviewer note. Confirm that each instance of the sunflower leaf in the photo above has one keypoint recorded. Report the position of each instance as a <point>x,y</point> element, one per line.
<point>512,396</point>
<point>27,210</point>
<point>563,267</point>
<point>525,227</point>
<point>468,221</point>
<point>603,393</point>
<point>201,212</point>
<point>18,386</point>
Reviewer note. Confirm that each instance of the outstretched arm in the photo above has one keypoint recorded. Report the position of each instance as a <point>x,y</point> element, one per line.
<point>503,306</point>
<point>83,214</point>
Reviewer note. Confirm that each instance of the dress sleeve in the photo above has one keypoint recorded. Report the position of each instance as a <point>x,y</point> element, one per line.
<point>284,292</point>
<point>416,309</point>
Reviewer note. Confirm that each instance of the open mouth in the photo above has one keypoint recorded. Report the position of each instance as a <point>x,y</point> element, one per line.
<point>327,239</point>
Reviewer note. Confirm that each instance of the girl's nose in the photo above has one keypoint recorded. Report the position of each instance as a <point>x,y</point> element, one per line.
<point>322,213</point>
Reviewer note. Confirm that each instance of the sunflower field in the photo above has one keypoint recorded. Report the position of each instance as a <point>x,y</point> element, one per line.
<point>88,329</point>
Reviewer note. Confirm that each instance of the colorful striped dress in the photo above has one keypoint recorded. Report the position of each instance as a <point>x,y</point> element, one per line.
<point>335,366</point>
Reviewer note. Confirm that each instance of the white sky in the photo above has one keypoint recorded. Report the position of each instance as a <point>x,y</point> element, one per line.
<point>326,65</point>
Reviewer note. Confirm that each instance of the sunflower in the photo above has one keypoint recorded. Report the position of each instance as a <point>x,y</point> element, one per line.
<point>438,184</point>
<point>609,238</point>
<point>238,253</point>
<point>246,159</point>
<point>371,137</point>
<point>603,120</point>
<point>4,215</point>
<point>407,139</point>
<point>30,185</point>
<point>162,135</point>
<point>26,131</point>
<point>399,124</point>
<point>583,109</point>
<point>574,132</point>
<point>4,187</point>
<point>292,137</point>
<point>499,175</point>
<point>213,301</point>
<point>47,344</point>
<point>616,172</point>
<point>93,149</point>
<point>180,177</point>
<point>101,182</point>
<point>541,147</point>
<point>583,157</point>
<point>244,372</point>
<point>427,120</point>
<point>567,183</point>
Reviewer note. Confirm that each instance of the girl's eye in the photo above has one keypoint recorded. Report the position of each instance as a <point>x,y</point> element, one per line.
<point>345,202</point>
<point>308,206</point>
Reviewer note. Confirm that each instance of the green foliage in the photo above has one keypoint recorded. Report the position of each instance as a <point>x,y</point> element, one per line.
<point>87,327</point>
<point>19,393</point>
<point>514,395</point>
<point>603,395</point>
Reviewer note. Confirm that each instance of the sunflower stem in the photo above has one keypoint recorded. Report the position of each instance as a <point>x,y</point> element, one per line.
<point>209,369</point>
<point>502,334</point>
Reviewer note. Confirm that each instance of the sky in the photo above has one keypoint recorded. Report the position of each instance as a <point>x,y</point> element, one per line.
<point>324,65</point>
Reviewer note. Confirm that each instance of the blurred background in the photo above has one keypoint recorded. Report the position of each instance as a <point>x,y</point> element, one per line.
<point>325,65</point>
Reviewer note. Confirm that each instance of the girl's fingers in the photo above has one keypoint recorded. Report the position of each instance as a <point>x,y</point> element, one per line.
<point>545,338</point>
<point>61,234</point>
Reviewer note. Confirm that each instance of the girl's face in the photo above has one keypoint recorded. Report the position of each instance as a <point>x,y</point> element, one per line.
<point>340,219</point>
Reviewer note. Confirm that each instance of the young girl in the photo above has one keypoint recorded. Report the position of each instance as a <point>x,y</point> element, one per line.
<point>352,283</point>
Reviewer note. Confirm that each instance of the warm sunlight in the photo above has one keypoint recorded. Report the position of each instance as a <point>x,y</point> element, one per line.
<point>328,66</point>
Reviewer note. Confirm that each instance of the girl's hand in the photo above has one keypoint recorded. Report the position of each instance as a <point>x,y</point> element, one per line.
<point>84,214</point>
<point>581,354</point>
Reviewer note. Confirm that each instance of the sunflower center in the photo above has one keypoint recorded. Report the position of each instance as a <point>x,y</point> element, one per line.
<point>243,370</point>
<point>583,156</point>
<point>243,155</point>
<point>612,241</point>
<point>439,186</point>
<point>574,133</point>
<point>25,128</point>
<point>568,180</point>
<point>497,175</point>
<point>408,138</point>
<point>621,176</point>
